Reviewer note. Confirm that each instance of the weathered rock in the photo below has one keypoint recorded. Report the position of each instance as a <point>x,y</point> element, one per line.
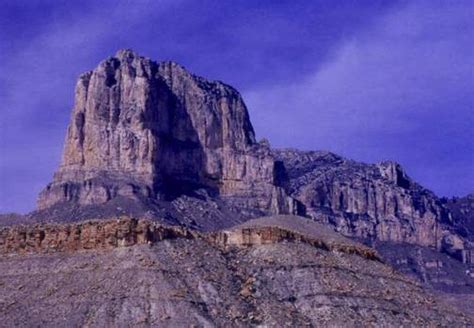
<point>141,129</point>
<point>462,211</point>
<point>184,278</point>
<point>380,205</point>
<point>370,202</point>
<point>151,140</point>
<point>94,235</point>
<point>275,229</point>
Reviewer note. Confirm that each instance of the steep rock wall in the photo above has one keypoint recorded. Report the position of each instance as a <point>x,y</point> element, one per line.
<point>371,201</point>
<point>154,130</point>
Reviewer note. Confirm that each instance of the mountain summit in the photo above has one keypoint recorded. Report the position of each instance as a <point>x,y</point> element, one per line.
<point>152,131</point>
<point>150,139</point>
<point>164,165</point>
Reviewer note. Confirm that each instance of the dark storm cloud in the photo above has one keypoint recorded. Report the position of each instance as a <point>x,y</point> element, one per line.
<point>369,79</point>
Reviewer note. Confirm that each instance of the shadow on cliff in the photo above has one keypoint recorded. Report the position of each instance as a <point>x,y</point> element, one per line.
<point>179,158</point>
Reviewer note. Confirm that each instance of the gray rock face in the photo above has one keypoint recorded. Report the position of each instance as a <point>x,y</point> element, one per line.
<point>462,210</point>
<point>380,205</point>
<point>366,201</point>
<point>141,129</point>
<point>151,140</point>
<point>138,274</point>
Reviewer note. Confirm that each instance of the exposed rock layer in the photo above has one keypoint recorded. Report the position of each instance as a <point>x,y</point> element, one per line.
<point>462,211</point>
<point>370,202</point>
<point>93,235</point>
<point>141,129</point>
<point>179,281</point>
<point>380,205</point>
<point>122,232</point>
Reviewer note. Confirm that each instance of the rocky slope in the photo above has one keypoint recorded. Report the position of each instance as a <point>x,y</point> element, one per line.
<point>462,211</point>
<point>268,272</point>
<point>381,206</point>
<point>153,131</point>
<point>153,141</point>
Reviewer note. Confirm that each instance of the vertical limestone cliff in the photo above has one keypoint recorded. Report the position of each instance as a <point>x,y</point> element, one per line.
<point>372,202</point>
<point>141,129</point>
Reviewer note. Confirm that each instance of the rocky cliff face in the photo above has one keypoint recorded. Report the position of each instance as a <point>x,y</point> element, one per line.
<point>380,205</point>
<point>90,235</point>
<point>141,129</point>
<point>153,141</point>
<point>367,201</point>
<point>269,272</point>
<point>462,211</point>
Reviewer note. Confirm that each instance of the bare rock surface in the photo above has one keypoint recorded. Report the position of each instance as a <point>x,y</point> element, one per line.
<point>146,130</point>
<point>366,201</point>
<point>150,140</point>
<point>181,278</point>
<point>382,206</point>
<point>462,210</point>
<point>95,235</point>
<point>298,225</point>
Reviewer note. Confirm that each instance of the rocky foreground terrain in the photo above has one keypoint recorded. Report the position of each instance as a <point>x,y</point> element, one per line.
<point>178,152</point>
<point>275,271</point>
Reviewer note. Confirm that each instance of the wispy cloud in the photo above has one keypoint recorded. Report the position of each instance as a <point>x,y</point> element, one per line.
<point>401,90</point>
<point>37,81</point>
<point>369,79</point>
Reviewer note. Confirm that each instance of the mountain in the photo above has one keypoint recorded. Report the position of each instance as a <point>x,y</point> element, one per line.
<point>382,206</point>
<point>152,132</point>
<point>162,166</point>
<point>274,271</point>
<point>462,210</point>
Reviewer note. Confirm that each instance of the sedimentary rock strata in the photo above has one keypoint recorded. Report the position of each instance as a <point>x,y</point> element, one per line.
<point>185,278</point>
<point>370,202</point>
<point>380,205</point>
<point>89,235</point>
<point>153,141</point>
<point>141,129</point>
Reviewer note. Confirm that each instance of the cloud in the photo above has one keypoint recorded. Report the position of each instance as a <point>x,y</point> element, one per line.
<point>400,90</point>
<point>341,76</point>
<point>37,80</point>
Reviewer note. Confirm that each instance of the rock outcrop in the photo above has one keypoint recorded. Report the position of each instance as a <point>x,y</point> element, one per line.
<point>183,278</point>
<point>284,228</point>
<point>462,211</point>
<point>153,141</point>
<point>141,129</point>
<point>89,235</point>
<point>370,202</point>
<point>123,232</point>
<point>381,206</point>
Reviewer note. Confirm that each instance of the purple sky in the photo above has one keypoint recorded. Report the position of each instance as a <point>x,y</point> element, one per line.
<point>371,80</point>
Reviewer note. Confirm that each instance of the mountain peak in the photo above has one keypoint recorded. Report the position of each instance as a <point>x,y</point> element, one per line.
<point>140,129</point>
<point>125,54</point>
